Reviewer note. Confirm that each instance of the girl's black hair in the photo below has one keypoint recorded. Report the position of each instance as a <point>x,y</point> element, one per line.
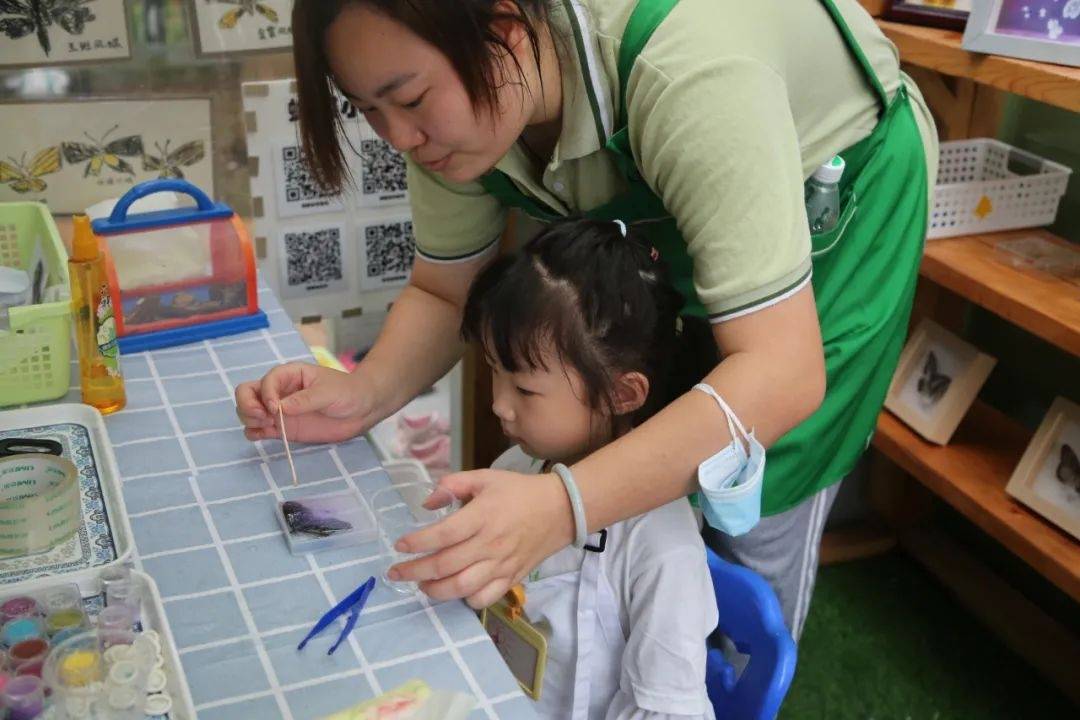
<point>463,30</point>
<point>603,302</point>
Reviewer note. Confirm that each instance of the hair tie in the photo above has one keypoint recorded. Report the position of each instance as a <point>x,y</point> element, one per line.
<point>622,227</point>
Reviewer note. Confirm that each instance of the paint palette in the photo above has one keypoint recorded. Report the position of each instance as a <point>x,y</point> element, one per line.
<point>325,522</point>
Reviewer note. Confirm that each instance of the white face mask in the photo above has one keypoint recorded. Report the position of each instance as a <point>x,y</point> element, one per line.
<point>731,479</point>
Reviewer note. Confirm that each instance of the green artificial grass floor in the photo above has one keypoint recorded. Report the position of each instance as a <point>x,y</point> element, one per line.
<point>885,641</point>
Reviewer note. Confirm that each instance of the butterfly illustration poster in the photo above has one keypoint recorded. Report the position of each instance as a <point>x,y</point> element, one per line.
<point>71,155</point>
<point>46,32</point>
<point>225,26</point>
<point>936,381</point>
<point>1047,478</point>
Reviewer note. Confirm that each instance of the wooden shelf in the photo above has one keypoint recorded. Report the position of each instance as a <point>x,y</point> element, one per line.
<point>971,473</point>
<point>973,268</point>
<point>940,50</point>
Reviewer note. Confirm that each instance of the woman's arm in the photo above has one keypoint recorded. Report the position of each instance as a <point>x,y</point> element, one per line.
<point>421,339</point>
<point>419,343</point>
<point>772,375</point>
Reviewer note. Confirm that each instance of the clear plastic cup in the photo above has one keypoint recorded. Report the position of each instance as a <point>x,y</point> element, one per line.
<point>116,625</point>
<point>22,628</point>
<point>19,606</point>
<point>62,597</point>
<point>86,684</point>
<point>118,574</point>
<point>24,697</point>
<point>402,509</point>
<point>125,593</point>
<point>32,650</point>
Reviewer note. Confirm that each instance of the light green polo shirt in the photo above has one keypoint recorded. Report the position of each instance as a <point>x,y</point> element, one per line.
<point>731,106</point>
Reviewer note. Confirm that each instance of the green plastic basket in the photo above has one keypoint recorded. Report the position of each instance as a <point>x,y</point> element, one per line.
<point>35,354</point>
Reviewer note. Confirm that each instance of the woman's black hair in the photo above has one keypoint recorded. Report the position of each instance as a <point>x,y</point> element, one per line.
<point>465,31</point>
<point>602,301</point>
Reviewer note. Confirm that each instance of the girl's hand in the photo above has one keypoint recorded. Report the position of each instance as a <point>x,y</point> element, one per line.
<point>511,522</point>
<point>319,404</point>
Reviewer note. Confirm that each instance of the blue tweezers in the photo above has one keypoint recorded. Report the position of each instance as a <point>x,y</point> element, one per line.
<point>352,604</point>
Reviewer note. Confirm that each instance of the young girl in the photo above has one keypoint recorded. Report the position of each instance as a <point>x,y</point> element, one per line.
<point>582,332</point>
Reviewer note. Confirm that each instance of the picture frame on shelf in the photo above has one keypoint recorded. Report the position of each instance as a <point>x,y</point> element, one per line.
<point>1047,480</point>
<point>1042,30</point>
<point>948,14</point>
<point>936,381</point>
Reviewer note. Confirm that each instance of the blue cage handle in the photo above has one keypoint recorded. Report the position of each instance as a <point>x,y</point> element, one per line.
<point>118,221</point>
<point>150,187</point>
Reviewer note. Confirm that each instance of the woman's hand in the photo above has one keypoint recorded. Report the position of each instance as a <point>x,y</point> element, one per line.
<point>511,522</point>
<point>319,404</point>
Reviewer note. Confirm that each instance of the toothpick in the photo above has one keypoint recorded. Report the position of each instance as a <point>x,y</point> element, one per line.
<point>288,452</point>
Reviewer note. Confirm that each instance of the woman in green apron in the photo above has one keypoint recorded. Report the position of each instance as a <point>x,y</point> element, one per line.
<point>697,119</point>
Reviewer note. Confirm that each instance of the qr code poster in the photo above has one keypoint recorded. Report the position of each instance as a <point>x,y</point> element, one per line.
<point>225,26</point>
<point>280,175</point>
<point>297,191</point>
<point>387,249</point>
<point>313,259</point>
<point>381,180</point>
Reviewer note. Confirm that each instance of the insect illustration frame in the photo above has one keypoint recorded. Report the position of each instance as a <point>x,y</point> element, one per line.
<point>240,26</point>
<point>1047,479</point>
<point>949,14</point>
<point>1030,29</point>
<point>75,152</point>
<point>936,381</point>
<point>52,32</point>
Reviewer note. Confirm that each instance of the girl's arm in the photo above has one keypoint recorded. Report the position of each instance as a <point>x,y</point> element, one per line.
<point>773,377</point>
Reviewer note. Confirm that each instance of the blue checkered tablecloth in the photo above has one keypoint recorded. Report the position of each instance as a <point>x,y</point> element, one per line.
<point>201,500</point>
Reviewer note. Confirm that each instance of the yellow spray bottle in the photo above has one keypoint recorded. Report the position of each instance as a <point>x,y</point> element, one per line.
<point>95,325</point>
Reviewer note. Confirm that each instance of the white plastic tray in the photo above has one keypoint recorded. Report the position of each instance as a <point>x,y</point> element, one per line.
<point>81,559</point>
<point>152,618</point>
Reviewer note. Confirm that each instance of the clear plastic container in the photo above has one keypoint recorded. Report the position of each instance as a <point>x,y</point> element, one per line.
<point>822,195</point>
<point>325,522</point>
<point>23,697</point>
<point>403,509</point>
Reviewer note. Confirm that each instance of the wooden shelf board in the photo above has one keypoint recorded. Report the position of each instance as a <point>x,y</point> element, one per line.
<point>972,267</point>
<point>971,473</point>
<point>940,50</point>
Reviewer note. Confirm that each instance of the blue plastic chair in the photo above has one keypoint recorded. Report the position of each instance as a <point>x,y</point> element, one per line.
<point>750,617</point>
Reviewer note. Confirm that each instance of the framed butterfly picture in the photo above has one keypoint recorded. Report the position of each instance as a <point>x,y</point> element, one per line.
<point>229,26</point>
<point>50,32</point>
<point>74,154</point>
<point>936,382</point>
<point>1047,479</point>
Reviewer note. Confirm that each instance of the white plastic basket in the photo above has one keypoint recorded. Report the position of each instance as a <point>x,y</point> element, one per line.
<point>985,185</point>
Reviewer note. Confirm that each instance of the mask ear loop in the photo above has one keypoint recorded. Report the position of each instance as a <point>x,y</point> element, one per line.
<point>732,419</point>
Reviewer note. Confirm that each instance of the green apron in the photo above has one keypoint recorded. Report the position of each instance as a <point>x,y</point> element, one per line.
<point>864,270</point>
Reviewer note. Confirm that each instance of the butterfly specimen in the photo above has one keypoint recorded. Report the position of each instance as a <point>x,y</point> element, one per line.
<point>27,178</point>
<point>1068,469</point>
<point>167,164</point>
<point>932,384</point>
<point>36,16</point>
<point>245,7</point>
<point>302,519</point>
<point>100,153</point>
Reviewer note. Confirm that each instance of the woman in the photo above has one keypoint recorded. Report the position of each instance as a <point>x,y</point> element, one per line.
<point>698,119</point>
